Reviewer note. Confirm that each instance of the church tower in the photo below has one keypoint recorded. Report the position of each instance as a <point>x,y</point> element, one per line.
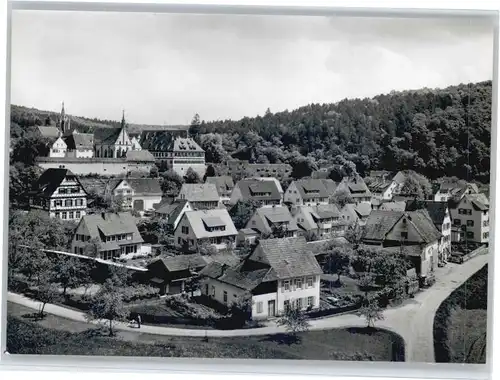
<point>63,122</point>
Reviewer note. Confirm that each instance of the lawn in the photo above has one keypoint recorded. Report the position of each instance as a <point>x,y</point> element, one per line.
<point>460,323</point>
<point>58,336</point>
<point>466,332</point>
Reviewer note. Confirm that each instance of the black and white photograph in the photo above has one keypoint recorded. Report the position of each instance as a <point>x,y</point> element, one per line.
<point>249,186</point>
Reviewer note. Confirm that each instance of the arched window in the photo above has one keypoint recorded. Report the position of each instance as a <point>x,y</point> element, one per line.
<point>110,153</point>
<point>105,153</point>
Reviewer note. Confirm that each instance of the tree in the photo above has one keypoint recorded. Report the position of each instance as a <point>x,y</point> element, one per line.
<point>47,292</point>
<point>294,320</point>
<point>22,178</point>
<point>242,211</point>
<point>241,307</point>
<point>192,176</point>
<point>206,248</point>
<point>210,172</point>
<point>416,185</point>
<point>195,127</point>
<point>341,198</point>
<point>371,311</point>
<point>353,234</point>
<point>192,284</point>
<point>30,146</point>
<point>171,183</point>
<point>71,272</point>
<point>108,304</point>
<point>338,261</point>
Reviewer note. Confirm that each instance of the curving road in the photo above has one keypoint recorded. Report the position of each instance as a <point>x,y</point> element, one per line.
<point>413,320</point>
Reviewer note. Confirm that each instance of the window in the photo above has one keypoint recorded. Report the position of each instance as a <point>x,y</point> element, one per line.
<point>456,222</point>
<point>129,237</point>
<point>259,307</point>
<point>64,215</point>
<point>310,301</point>
<point>299,303</point>
<point>286,285</point>
<point>78,214</point>
<point>185,229</point>
<point>310,283</point>
<point>486,223</point>
<point>470,235</point>
<point>213,291</point>
<point>68,203</point>
<point>71,215</point>
<point>62,191</point>
<point>298,283</point>
<point>179,240</point>
<point>404,235</point>
<point>224,295</point>
<point>58,214</point>
<point>486,235</point>
<point>470,223</point>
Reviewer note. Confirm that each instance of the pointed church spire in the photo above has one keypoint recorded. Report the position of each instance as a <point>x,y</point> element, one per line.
<point>62,109</point>
<point>123,119</point>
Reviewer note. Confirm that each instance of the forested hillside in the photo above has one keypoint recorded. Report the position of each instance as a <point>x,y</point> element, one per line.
<point>442,132</point>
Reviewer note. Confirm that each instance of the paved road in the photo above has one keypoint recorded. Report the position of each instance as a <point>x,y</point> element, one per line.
<point>413,320</point>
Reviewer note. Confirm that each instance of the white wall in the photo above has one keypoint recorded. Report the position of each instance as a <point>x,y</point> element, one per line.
<point>220,287</point>
<point>264,298</point>
<point>295,293</point>
<point>58,149</point>
<point>96,167</point>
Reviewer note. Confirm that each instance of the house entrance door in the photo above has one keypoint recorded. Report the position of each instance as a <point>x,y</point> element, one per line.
<point>139,204</point>
<point>271,308</point>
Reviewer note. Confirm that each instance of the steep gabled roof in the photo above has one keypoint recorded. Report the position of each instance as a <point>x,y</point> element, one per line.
<point>112,224</point>
<point>436,210</point>
<point>106,135</point>
<point>197,221</point>
<point>380,223</point>
<point>252,188</point>
<point>246,280</point>
<point>158,141</point>
<point>51,133</point>
<point>172,210</point>
<point>50,180</point>
<point>181,262</point>
<point>311,188</point>
<point>223,184</point>
<point>393,206</point>
<point>199,192</point>
<point>184,144</point>
<point>479,201</point>
<point>277,214</point>
<point>80,141</point>
<point>288,257</point>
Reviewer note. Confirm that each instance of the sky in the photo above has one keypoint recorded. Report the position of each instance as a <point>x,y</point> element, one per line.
<point>164,68</point>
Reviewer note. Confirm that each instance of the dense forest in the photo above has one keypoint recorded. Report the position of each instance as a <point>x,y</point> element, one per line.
<point>442,132</point>
<point>436,132</point>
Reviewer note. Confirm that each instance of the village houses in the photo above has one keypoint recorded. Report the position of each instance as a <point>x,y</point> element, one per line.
<point>279,274</point>
<point>172,213</point>
<point>270,220</point>
<point>139,194</point>
<point>115,234</point>
<point>309,192</point>
<point>265,192</point>
<point>470,218</point>
<point>441,217</point>
<point>321,222</point>
<point>212,227</point>
<point>201,196</point>
<point>412,233</point>
<point>454,190</point>
<point>355,187</point>
<point>356,213</point>
<point>184,153</point>
<point>224,186</point>
<point>60,194</point>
